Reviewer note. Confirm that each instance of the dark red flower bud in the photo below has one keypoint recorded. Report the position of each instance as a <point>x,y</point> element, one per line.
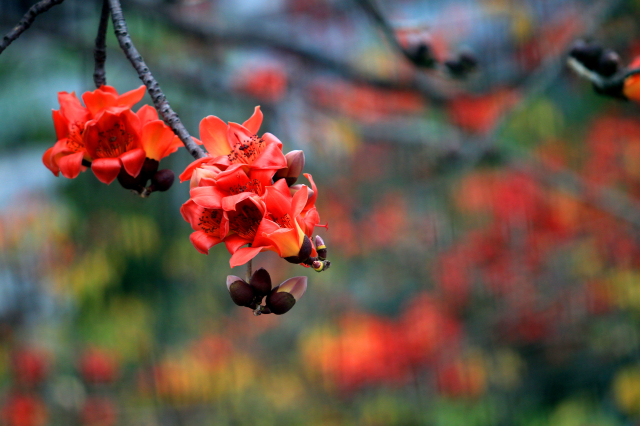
<point>303,254</point>
<point>241,292</point>
<point>421,55</point>
<point>295,164</point>
<point>162,180</point>
<point>261,282</point>
<point>588,54</point>
<point>321,248</point>
<point>609,63</point>
<point>282,298</point>
<point>129,182</point>
<point>149,168</point>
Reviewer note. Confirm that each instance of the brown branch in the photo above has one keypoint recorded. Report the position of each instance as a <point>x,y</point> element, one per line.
<point>159,99</point>
<point>100,50</point>
<point>26,21</point>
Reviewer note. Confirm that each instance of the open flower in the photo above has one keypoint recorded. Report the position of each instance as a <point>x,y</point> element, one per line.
<point>68,152</point>
<point>232,143</point>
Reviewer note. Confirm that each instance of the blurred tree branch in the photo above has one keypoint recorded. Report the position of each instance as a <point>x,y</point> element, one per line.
<point>26,21</point>
<point>158,97</point>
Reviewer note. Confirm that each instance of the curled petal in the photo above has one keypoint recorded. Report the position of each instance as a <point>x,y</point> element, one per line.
<point>254,122</point>
<point>209,197</point>
<point>132,97</point>
<point>158,140</point>
<point>71,108</point>
<point>133,161</point>
<point>311,202</point>
<point>244,255</point>
<point>70,165</point>
<point>286,241</point>
<point>234,242</point>
<point>98,100</point>
<point>186,175</point>
<point>213,133</point>
<point>203,242</point>
<point>47,161</point>
<point>106,169</point>
<point>271,158</point>
<point>147,113</point>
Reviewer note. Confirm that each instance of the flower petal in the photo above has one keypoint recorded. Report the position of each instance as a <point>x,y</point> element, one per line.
<point>61,124</point>
<point>209,197</point>
<point>270,158</point>
<point>133,161</point>
<point>286,241</point>
<point>299,201</point>
<point>203,242</point>
<point>47,161</point>
<point>147,113</point>
<point>254,122</point>
<point>70,165</point>
<point>106,169</point>
<point>186,175</point>
<point>71,108</point>
<point>244,255</point>
<point>156,139</point>
<point>98,100</point>
<point>234,242</point>
<point>132,97</point>
<point>213,133</point>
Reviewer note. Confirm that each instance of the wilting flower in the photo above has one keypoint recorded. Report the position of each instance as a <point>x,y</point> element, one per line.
<point>232,143</point>
<point>107,134</point>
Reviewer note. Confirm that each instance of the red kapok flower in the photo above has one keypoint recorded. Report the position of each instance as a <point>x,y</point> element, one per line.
<point>67,154</point>
<point>112,140</point>
<point>233,143</point>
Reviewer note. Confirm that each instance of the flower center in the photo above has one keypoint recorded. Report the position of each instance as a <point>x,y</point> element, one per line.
<point>245,220</point>
<point>246,152</point>
<point>253,185</point>
<point>114,142</point>
<point>209,222</point>
<point>74,140</point>
<point>284,221</point>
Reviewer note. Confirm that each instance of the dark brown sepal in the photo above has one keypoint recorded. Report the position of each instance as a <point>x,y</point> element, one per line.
<point>280,303</point>
<point>162,180</point>
<point>241,293</point>
<point>261,282</point>
<point>305,252</point>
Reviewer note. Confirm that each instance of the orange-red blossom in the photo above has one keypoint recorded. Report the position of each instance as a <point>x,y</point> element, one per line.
<point>106,133</point>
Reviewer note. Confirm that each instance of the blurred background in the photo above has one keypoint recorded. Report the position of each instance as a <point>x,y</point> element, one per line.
<point>484,234</point>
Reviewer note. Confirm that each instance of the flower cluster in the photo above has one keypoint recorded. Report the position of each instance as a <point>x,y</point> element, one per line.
<point>107,136</point>
<point>244,194</point>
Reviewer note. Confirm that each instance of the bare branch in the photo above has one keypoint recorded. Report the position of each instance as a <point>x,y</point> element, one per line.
<point>159,99</point>
<point>26,21</point>
<point>100,50</point>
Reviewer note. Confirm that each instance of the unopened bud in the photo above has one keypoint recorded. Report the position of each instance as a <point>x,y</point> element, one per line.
<point>317,265</point>
<point>588,54</point>
<point>162,180</point>
<point>241,292</point>
<point>282,298</point>
<point>303,254</point>
<point>129,182</point>
<point>609,63</point>
<point>421,55</point>
<point>295,164</point>
<point>321,248</point>
<point>295,188</point>
<point>261,282</point>
<point>149,168</point>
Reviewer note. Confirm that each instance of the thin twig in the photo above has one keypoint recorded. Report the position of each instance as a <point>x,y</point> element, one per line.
<point>386,28</point>
<point>100,51</point>
<point>159,99</point>
<point>26,21</point>
<point>249,270</point>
